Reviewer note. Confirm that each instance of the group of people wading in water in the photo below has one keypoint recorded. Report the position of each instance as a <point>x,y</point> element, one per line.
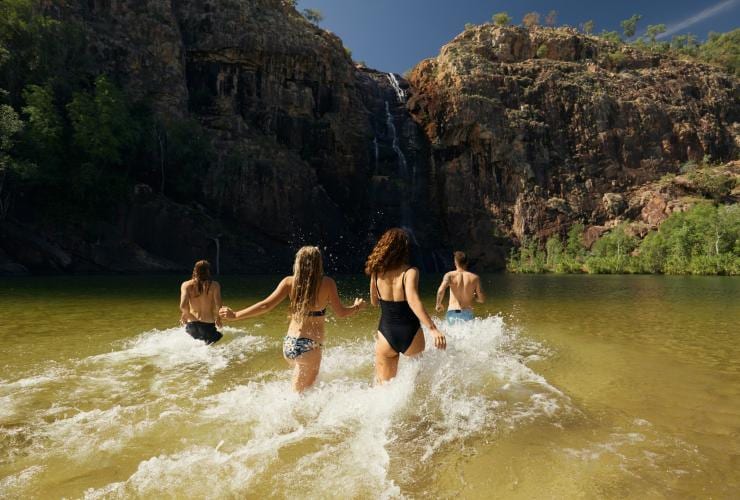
<point>394,286</point>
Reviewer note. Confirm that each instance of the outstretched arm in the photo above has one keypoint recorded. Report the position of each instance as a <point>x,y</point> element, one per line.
<point>336,303</point>
<point>412,296</point>
<point>185,314</point>
<point>480,296</point>
<point>441,292</point>
<point>262,307</point>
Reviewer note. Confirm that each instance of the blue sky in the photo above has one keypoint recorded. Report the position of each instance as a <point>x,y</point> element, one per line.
<point>394,35</point>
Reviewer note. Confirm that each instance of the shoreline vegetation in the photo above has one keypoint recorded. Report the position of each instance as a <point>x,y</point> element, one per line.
<point>703,240</point>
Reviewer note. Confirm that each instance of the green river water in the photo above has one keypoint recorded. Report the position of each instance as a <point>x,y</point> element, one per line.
<point>567,387</point>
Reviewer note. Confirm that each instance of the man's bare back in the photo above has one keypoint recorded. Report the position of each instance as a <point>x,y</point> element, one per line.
<point>463,285</point>
<point>201,306</point>
<point>464,289</point>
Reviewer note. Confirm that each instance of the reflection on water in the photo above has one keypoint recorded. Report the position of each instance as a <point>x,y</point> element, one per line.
<point>568,386</point>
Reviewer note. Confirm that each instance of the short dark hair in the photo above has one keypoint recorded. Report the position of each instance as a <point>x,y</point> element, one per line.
<point>460,258</point>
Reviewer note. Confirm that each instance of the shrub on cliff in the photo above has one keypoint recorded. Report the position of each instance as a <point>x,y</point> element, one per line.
<point>501,19</point>
<point>530,20</point>
<point>722,50</point>
<point>629,26</point>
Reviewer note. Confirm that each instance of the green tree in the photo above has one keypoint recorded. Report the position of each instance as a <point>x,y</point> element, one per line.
<point>313,15</point>
<point>588,27</point>
<point>629,26</point>
<point>655,30</point>
<point>102,123</point>
<point>542,51</point>
<point>555,252</point>
<point>501,19</point>
<point>722,50</point>
<point>611,36</point>
<point>530,20</point>
<point>10,125</point>
<point>36,49</point>
<point>44,132</point>
<point>574,245</point>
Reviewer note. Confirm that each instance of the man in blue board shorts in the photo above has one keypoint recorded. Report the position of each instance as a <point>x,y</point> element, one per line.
<point>464,288</point>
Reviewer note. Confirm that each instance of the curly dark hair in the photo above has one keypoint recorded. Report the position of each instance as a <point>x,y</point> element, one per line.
<point>391,251</point>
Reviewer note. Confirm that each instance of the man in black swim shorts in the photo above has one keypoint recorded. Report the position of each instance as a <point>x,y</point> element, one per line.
<point>200,300</point>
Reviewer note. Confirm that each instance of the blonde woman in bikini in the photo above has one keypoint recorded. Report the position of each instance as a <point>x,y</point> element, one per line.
<point>310,292</point>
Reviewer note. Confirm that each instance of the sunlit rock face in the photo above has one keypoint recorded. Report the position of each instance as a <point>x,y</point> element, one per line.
<point>507,134</point>
<point>533,130</point>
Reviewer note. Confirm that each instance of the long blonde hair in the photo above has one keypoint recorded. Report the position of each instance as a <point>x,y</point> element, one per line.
<point>308,271</point>
<point>202,276</point>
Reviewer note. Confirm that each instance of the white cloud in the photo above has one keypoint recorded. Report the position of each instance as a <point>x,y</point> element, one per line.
<point>698,17</point>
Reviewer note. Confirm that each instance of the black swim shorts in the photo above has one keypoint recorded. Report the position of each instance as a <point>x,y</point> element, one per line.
<point>203,331</point>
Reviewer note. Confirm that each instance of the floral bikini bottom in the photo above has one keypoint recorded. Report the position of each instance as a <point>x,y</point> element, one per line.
<point>295,346</point>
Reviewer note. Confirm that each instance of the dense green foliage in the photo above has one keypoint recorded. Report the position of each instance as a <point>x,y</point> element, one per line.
<point>722,50</point>
<point>629,26</point>
<point>69,136</point>
<point>702,240</point>
<point>719,49</point>
<point>501,19</point>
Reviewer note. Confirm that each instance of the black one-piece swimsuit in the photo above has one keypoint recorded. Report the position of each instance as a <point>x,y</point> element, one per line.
<point>398,323</point>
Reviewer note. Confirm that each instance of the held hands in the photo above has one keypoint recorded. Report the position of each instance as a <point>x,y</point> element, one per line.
<point>359,304</point>
<point>226,313</point>
<point>440,341</point>
<point>439,308</point>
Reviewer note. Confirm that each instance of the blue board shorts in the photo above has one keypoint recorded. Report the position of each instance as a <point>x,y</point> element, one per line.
<point>458,315</point>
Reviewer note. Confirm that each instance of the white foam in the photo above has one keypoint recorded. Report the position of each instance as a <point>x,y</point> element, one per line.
<point>172,348</point>
<point>347,431</point>
<point>13,485</point>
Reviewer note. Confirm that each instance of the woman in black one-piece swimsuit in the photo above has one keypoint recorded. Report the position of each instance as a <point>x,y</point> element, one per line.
<point>395,287</point>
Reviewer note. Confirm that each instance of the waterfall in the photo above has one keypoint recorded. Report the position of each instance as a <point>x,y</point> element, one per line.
<point>400,93</point>
<point>402,166</point>
<point>375,150</point>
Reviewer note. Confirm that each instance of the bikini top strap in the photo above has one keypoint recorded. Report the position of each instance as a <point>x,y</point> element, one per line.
<point>377,288</point>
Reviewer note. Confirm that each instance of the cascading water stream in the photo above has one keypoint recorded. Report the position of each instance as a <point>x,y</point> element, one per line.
<point>402,165</point>
<point>400,93</point>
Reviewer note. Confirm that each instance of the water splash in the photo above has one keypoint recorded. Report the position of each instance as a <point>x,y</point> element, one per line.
<point>345,434</point>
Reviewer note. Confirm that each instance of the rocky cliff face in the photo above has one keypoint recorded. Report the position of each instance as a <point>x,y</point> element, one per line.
<point>508,133</point>
<point>307,144</point>
<point>533,130</point>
